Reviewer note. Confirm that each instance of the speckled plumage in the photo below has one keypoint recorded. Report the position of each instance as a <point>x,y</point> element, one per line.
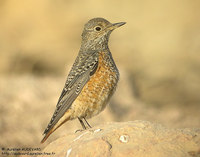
<point>92,79</point>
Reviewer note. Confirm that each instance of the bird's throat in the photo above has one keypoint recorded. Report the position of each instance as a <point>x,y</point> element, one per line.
<point>95,44</point>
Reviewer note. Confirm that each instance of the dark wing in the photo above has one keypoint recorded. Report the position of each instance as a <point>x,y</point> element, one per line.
<point>84,66</point>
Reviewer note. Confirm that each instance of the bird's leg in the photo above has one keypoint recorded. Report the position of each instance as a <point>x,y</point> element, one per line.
<point>87,122</point>
<point>83,125</point>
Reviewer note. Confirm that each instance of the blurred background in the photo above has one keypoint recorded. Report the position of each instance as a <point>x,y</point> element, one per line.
<point>157,52</point>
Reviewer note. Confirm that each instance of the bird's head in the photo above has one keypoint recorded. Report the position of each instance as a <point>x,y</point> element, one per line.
<point>97,31</point>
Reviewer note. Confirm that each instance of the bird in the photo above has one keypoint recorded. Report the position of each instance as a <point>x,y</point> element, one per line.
<point>92,79</point>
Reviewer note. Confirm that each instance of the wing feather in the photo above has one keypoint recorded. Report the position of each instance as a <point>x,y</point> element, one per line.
<point>84,66</point>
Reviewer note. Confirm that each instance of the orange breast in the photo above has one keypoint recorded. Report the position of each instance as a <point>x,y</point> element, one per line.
<point>96,93</point>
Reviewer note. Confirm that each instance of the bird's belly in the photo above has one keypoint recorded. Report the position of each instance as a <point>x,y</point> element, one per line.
<point>96,93</point>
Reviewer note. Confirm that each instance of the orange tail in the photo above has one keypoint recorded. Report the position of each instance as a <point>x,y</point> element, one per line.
<point>46,136</point>
<point>54,129</point>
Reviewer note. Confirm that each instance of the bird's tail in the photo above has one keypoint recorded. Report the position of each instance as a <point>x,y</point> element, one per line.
<point>47,135</point>
<point>54,129</point>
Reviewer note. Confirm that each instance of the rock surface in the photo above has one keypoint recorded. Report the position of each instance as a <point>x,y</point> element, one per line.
<point>134,138</point>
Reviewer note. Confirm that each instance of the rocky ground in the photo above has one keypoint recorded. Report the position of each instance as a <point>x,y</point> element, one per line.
<point>133,138</point>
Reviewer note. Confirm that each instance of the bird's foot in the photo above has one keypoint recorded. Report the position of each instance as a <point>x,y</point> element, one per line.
<point>80,130</point>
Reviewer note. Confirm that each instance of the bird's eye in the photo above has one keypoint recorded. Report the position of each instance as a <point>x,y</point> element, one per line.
<point>97,28</point>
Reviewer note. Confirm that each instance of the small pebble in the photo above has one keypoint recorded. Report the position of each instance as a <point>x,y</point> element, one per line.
<point>124,138</point>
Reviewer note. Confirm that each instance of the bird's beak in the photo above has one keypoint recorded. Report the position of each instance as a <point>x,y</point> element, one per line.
<point>116,25</point>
